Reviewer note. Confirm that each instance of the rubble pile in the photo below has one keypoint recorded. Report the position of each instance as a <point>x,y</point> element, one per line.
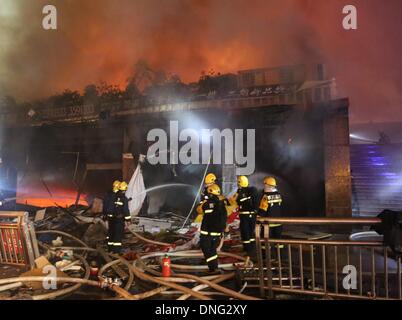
<point>74,262</point>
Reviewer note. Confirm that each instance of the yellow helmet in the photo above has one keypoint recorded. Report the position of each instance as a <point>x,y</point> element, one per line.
<point>242,181</point>
<point>123,186</point>
<point>116,185</point>
<point>210,178</point>
<point>270,181</point>
<point>214,189</point>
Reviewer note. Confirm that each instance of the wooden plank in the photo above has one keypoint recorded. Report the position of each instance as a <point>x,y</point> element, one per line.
<point>128,165</point>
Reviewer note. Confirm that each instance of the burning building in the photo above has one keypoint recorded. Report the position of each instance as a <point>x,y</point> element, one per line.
<point>70,154</point>
<point>283,129</point>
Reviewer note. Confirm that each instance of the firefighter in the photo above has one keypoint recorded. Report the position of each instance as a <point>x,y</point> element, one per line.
<point>108,207</point>
<point>118,217</point>
<point>270,205</point>
<point>209,180</point>
<point>246,201</point>
<point>213,225</point>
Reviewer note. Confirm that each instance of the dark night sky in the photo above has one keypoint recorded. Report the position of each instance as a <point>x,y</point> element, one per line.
<point>101,40</point>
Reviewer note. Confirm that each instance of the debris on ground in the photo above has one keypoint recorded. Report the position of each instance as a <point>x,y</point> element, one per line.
<point>72,243</point>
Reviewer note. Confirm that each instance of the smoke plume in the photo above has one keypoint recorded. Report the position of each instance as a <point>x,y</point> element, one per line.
<point>102,39</point>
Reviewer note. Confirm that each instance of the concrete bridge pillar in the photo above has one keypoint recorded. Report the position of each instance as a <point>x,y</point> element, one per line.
<point>338,189</point>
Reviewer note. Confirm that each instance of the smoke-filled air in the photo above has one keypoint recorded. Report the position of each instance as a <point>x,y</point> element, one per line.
<point>100,40</point>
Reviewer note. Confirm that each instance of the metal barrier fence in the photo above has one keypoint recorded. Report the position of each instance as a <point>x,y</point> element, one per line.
<point>317,267</point>
<point>18,245</point>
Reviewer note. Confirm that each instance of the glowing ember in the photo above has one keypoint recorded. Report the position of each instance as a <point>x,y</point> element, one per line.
<point>40,198</point>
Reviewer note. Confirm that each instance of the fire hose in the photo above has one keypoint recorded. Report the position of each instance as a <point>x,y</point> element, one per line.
<point>63,234</point>
<point>144,276</point>
<point>204,286</point>
<point>206,282</point>
<point>109,264</point>
<point>215,286</point>
<point>65,291</point>
<point>164,244</point>
<point>139,273</point>
<point>78,281</point>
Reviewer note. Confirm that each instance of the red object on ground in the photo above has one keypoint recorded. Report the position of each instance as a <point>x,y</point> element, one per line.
<point>94,271</point>
<point>166,266</point>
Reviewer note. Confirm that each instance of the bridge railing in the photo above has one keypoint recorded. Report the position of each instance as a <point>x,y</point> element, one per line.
<point>327,268</point>
<point>131,107</point>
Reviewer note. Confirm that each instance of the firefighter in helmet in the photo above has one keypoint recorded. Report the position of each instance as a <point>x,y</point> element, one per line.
<point>118,215</point>
<point>270,205</point>
<point>213,225</point>
<point>246,201</point>
<point>108,204</point>
<point>209,180</point>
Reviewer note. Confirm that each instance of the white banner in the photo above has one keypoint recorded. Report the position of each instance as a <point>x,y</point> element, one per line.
<point>136,192</point>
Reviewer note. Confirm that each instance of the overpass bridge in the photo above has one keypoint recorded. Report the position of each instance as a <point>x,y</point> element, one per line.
<point>302,137</point>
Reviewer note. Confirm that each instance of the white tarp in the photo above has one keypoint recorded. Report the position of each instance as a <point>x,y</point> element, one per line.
<point>136,191</point>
